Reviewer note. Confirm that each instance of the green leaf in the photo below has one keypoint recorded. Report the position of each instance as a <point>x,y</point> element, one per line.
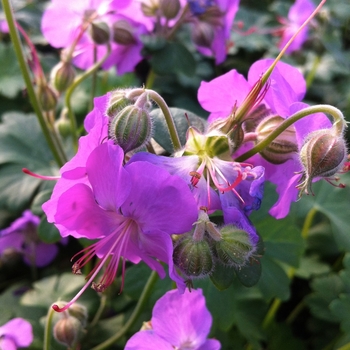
<point>311,266</point>
<point>22,145</point>
<point>173,58</point>
<point>51,289</point>
<point>334,203</point>
<point>222,276</point>
<point>341,311</point>
<point>249,275</point>
<point>325,290</point>
<point>274,282</point>
<point>11,78</point>
<point>282,239</point>
<point>161,133</point>
<point>47,232</point>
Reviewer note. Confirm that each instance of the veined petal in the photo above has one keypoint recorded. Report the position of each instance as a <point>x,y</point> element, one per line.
<point>110,181</point>
<point>287,85</point>
<point>182,318</point>
<point>159,201</point>
<point>217,98</point>
<point>147,340</point>
<point>79,213</point>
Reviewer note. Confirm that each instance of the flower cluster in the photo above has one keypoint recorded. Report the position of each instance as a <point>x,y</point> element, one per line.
<point>91,30</point>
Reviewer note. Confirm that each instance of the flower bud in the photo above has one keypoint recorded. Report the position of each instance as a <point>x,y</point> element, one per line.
<point>67,331</point>
<point>123,33</point>
<point>99,32</point>
<point>150,7</point>
<point>193,258</point>
<point>79,312</point>
<point>131,128</point>
<point>117,102</point>
<point>63,126</point>
<point>47,97</point>
<point>283,147</point>
<point>234,248</point>
<point>170,8</point>
<point>203,34</point>
<point>62,76</point>
<point>322,155</point>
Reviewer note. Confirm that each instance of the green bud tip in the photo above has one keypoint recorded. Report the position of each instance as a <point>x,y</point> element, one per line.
<point>235,247</point>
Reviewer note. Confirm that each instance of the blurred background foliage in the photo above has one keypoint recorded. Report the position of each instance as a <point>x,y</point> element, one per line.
<point>302,300</point>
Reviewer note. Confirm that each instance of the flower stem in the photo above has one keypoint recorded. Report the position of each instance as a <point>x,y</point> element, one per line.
<point>48,327</point>
<point>339,124</point>
<point>134,316</point>
<point>166,112</point>
<point>78,80</point>
<point>28,81</point>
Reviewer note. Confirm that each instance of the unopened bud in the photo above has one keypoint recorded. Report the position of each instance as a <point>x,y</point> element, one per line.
<point>193,258</point>
<point>235,247</point>
<point>123,33</point>
<point>62,76</point>
<point>150,7</point>
<point>79,312</point>
<point>203,34</point>
<point>47,97</point>
<point>322,155</point>
<point>131,128</point>
<point>283,147</point>
<point>67,331</point>
<point>117,102</point>
<point>170,8</point>
<point>99,32</point>
<point>63,125</point>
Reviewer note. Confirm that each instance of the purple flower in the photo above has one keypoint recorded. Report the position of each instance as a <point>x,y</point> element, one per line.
<point>179,321</point>
<point>131,210</point>
<point>22,237</point>
<point>286,89</point>
<point>216,184</point>
<point>17,333</point>
<point>297,15</point>
<point>66,24</point>
<point>220,22</point>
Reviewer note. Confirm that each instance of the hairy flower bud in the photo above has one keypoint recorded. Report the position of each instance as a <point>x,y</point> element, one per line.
<point>235,247</point>
<point>62,76</point>
<point>99,32</point>
<point>79,312</point>
<point>63,125</point>
<point>123,33</point>
<point>283,147</point>
<point>131,128</point>
<point>170,8</point>
<point>117,102</point>
<point>47,97</point>
<point>322,155</point>
<point>67,331</point>
<point>193,258</point>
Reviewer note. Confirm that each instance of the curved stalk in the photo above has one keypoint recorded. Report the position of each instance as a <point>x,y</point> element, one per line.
<point>339,124</point>
<point>28,81</point>
<point>48,326</point>
<point>166,112</point>
<point>134,316</point>
<point>78,80</point>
